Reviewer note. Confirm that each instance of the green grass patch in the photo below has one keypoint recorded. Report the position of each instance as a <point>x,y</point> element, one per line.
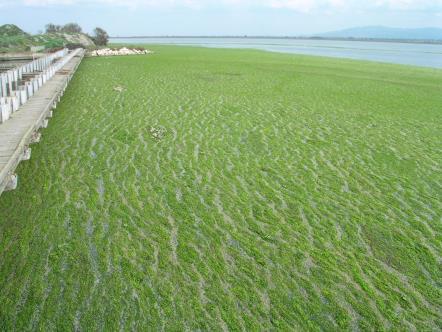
<point>230,189</point>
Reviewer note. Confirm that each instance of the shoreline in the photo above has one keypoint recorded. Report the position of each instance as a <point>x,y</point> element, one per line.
<point>273,50</point>
<point>373,40</point>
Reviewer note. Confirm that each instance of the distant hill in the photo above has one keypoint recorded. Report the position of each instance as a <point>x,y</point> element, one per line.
<point>380,32</point>
<point>10,30</point>
<point>13,39</point>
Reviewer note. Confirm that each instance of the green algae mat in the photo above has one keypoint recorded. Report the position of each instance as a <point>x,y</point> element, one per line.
<point>209,189</point>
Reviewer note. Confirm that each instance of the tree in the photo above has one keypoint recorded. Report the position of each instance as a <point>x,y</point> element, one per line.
<point>100,37</point>
<point>72,28</point>
<point>52,28</point>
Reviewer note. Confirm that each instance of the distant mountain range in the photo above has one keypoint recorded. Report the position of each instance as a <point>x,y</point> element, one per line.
<point>380,32</point>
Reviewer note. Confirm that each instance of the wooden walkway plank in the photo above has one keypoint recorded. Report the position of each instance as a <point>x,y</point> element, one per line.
<point>20,130</point>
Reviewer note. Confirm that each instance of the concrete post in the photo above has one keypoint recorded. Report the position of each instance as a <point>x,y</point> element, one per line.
<point>35,85</point>
<point>3,85</point>
<point>12,182</point>
<point>23,95</point>
<point>26,154</point>
<point>30,89</point>
<point>5,111</point>
<point>36,137</point>
<point>10,79</point>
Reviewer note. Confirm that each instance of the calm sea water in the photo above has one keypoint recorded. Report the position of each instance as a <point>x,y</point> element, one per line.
<point>426,55</point>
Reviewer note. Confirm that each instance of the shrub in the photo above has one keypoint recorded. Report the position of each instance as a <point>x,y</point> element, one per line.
<point>100,37</point>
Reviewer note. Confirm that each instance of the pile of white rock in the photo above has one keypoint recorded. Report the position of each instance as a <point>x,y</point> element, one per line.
<point>121,51</point>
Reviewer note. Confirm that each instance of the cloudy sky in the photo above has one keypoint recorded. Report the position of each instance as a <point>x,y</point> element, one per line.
<point>221,17</point>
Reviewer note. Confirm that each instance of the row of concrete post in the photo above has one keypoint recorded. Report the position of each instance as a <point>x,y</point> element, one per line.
<point>19,84</point>
<point>10,180</point>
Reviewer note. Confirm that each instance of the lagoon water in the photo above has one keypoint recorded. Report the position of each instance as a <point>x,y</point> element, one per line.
<point>426,55</point>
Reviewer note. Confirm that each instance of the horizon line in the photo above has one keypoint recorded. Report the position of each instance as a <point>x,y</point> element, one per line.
<point>312,37</point>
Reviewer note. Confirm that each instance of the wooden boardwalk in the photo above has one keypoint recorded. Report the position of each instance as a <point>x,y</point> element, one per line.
<point>21,129</point>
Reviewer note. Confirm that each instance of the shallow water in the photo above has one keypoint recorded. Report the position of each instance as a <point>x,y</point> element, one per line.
<point>426,55</point>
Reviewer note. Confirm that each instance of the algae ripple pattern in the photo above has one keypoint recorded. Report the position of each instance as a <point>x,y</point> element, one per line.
<point>204,189</point>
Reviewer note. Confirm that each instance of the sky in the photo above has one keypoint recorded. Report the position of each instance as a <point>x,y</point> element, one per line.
<point>220,17</point>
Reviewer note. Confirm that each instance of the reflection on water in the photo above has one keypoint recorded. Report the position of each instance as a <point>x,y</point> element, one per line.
<point>426,55</point>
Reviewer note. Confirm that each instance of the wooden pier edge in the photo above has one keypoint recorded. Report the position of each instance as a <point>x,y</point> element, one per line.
<point>8,178</point>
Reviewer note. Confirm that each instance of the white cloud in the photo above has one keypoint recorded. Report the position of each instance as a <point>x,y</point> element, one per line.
<point>295,5</point>
<point>409,4</point>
